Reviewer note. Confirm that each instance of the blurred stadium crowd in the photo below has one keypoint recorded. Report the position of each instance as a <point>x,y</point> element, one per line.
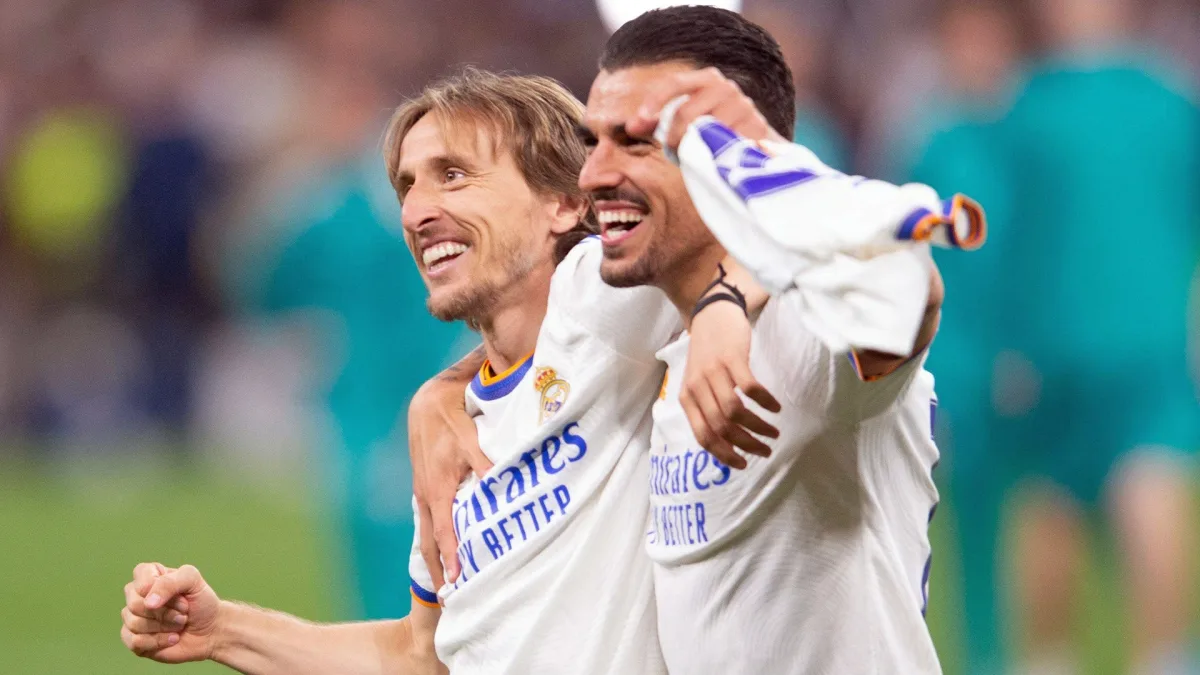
<point>153,154</point>
<point>199,249</point>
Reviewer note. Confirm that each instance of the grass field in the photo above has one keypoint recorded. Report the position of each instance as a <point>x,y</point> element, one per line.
<point>69,541</point>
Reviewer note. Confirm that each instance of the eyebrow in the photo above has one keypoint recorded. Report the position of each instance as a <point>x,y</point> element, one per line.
<point>438,163</point>
<point>584,134</point>
<point>618,132</point>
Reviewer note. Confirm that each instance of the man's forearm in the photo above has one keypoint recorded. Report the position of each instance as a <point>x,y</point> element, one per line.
<point>264,642</point>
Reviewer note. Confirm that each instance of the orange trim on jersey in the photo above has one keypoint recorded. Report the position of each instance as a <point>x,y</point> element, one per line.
<point>897,365</point>
<point>488,377</point>
<point>977,220</point>
<point>871,378</point>
<point>416,598</point>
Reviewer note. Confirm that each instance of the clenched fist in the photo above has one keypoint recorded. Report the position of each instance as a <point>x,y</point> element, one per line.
<point>170,615</point>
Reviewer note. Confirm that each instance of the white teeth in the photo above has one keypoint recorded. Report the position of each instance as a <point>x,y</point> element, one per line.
<point>439,252</point>
<point>607,217</point>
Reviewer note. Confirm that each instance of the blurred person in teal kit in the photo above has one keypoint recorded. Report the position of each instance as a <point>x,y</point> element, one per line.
<point>352,262</point>
<point>979,51</point>
<point>341,261</point>
<point>1096,229</point>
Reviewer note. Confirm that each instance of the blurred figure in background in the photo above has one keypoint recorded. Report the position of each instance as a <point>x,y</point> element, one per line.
<point>340,262</point>
<point>1097,226</point>
<point>957,146</point>
<point>147,52</point>
<point>63,187</point>
<point>804,39</point>
<point>149,148</point>
<point>1104,150</point>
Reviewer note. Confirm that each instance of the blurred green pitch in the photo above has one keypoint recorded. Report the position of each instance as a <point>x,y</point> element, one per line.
<point>68,544</point>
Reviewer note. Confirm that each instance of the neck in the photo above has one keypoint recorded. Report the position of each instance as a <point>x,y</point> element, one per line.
<point>687,284</point>
<point>510,332</point>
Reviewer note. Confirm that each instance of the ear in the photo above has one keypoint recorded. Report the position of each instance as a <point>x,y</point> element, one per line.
<point>566,212</point>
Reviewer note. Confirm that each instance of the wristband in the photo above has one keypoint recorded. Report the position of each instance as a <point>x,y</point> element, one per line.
<point>720,297</point>
<point>730,294</point>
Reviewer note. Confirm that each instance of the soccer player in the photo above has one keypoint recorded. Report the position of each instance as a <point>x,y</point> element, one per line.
<point>486,167</point>
<point>551,574</point>
<point>814,558</point>
<point>1095,420</point>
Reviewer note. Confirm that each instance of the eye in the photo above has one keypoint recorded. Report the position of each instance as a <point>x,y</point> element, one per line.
<point>586,137</point>
<point>451,175</point>
<point>637,142</point>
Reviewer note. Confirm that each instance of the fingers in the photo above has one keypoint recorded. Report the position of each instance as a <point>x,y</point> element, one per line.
<point>442,513</point>
<point>147,644</point>
<point>469,443</point>
<point>182,581</point>
<point>136,602</point>
<point>735,433</point>
<point>726,413</point>
<point>442,459</point>
<point>709,92</point>
<point>442,489</point>
<point>755,391</point>
<point>173,622</point>
<point>702,102</point>
<point>693,401</point>
<point>429,549</point>
<point>721,421</point>
<point>751,422</point>
<point>670,88</point>
<point>738,112</point>
<point>145,574</point>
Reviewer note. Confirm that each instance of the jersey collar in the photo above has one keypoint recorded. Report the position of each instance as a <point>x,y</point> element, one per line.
<point>488,386</point>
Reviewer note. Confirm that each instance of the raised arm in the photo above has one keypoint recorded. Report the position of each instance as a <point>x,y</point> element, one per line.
<point>795,223</point>
<point>851,246</point>
<point>174,616</point>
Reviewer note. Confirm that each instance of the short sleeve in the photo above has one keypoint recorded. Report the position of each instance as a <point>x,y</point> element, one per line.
<point>634,322</point>
<point>420,581</point>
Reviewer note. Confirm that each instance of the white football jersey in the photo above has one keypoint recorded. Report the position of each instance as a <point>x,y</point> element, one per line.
<point>815,559</point>
<point>555,578</point>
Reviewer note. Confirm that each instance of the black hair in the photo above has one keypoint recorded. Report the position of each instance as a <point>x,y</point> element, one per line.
<point>711,37</point>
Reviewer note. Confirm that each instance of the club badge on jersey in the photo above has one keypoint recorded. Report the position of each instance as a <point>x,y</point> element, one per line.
<point>554,392</point>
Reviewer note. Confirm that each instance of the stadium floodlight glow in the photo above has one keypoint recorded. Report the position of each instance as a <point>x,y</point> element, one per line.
<point>615,13</point>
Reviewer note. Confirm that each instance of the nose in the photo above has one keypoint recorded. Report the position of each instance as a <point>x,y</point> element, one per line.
<point>600,170</point>
<point>420,209</point>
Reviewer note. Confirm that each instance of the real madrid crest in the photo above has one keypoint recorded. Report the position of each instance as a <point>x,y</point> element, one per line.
<point>554,392</point>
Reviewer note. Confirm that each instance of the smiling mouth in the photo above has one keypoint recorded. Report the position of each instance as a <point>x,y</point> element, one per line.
<point>440,256</point>
<point>618,224</point>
